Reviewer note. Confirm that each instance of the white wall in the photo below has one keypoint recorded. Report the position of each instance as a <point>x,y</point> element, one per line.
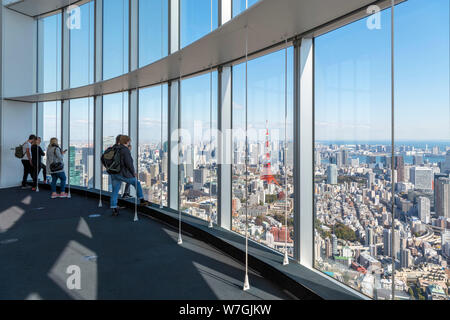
<point>18,73</point>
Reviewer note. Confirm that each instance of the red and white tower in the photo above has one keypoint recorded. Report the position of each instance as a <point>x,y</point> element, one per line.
<point>266,173</point>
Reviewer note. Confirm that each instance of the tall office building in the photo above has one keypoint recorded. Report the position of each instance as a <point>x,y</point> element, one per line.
<point>446,165</point>
<point>387,242</point>
<point>199,178</point>
<point>370,179</point>
<point>422,178</point>
<point>423,208</point>
<point>442,192</point>
<point>332,174</point>
<point>405,258</point>
<point>400,167</point>
<point>334,245</point>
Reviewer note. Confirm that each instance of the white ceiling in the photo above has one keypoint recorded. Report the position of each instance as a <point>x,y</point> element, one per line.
<point>37,7</point>
<point>269,22</point>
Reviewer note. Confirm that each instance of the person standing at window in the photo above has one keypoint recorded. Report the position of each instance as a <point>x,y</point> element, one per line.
<point>26,160</point>
<point>127,174</point>
<point>36,154</point>
<point>55,165</point>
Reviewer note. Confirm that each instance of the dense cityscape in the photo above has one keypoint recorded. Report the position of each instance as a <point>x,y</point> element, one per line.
<point>353,201</point>
<point>354,222</point>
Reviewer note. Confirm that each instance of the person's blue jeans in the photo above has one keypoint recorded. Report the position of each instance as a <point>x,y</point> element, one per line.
<point>116,181</point>
<point>61,176</point>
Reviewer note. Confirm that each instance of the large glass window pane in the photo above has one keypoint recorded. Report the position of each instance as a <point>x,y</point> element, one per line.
<point>353,183</point>
<point>82,48</point>
<point>270,194</point>
<point>197,18</point>
<point>115,38</point>
<point>198,173</point>
<point>115,122</point>
<point>153,146</point>
<point>422,156</point>
<point>153,30</point>
<point>241,5</point>
<point>51,123</point>
<point>49,53</point>
<point>81,150</point>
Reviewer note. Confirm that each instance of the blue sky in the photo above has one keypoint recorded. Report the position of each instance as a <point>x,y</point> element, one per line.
<point>353,70</point>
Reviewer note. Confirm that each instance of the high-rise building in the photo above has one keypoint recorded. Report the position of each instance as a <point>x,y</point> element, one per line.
<point>446,165</point>
<point>422,178</point>
<point>442,192</point>
<point>405,258</point>
<point>369,236</point>
<point>400,167</point>
<point>199,178</point>
<point>387,242</point>
<point>332,174</point>
<point>423,208</point>
<point>334,245</point>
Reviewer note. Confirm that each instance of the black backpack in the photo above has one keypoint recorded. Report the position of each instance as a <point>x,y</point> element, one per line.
<point>18,151</point>
<point>111,160</point>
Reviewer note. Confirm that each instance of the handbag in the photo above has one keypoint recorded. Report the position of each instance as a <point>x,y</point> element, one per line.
<point>56,166</point>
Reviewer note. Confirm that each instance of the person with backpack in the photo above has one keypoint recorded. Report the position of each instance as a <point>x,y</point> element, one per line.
<point>23,152</point>
<point>126,191</point>
<point>119,164</point>
<point>55,166</point>
<point>36,154</point>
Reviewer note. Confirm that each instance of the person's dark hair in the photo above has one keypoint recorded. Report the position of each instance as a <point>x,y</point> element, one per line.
<point>118,139</point>
<point>32,137</point>
<point>124,139</point>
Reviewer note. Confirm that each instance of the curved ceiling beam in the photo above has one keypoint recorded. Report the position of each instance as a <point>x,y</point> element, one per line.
<point>269,23</point>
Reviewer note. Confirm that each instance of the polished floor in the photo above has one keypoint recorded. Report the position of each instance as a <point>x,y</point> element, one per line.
<point>41,239</point>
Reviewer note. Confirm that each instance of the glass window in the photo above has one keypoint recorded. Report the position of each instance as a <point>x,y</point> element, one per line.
<point>197,18</point>
<point>115,38</point>
<point>49,53</point>
<point>153,145</point>
<point>51,123</point>
<point>81,150</point>
<point>115,122</point>
<point>241,5</point>
<point>267,196</point>
<point>198,173</point>
<point>82,48</point>
<point>422,157</point>
<point>153,30</point>
<point>353,183</point>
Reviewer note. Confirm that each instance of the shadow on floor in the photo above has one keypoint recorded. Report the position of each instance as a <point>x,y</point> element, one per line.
<point>118,258</point>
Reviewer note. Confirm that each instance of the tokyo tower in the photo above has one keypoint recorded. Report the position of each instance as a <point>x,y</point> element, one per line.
<point>266,174</point>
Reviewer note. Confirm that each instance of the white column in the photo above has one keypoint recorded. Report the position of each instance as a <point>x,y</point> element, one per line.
<point>303,156</point>
<point>98,136</point>
<point>225,11</point>
<point>65,57</point>
<point>134,35</point>
<point>98,41</point>
<point>133,129</point>
<point>224,148</point>
<point>98,100</point>
<point>174,90</point>
<point>173,106</point>
<point>174,25</point>
<point>65,132</point>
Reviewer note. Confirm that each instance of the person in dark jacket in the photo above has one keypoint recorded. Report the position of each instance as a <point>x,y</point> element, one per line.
<point>126,192</point>
<point>127,174</point>
<point>36,155</point>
